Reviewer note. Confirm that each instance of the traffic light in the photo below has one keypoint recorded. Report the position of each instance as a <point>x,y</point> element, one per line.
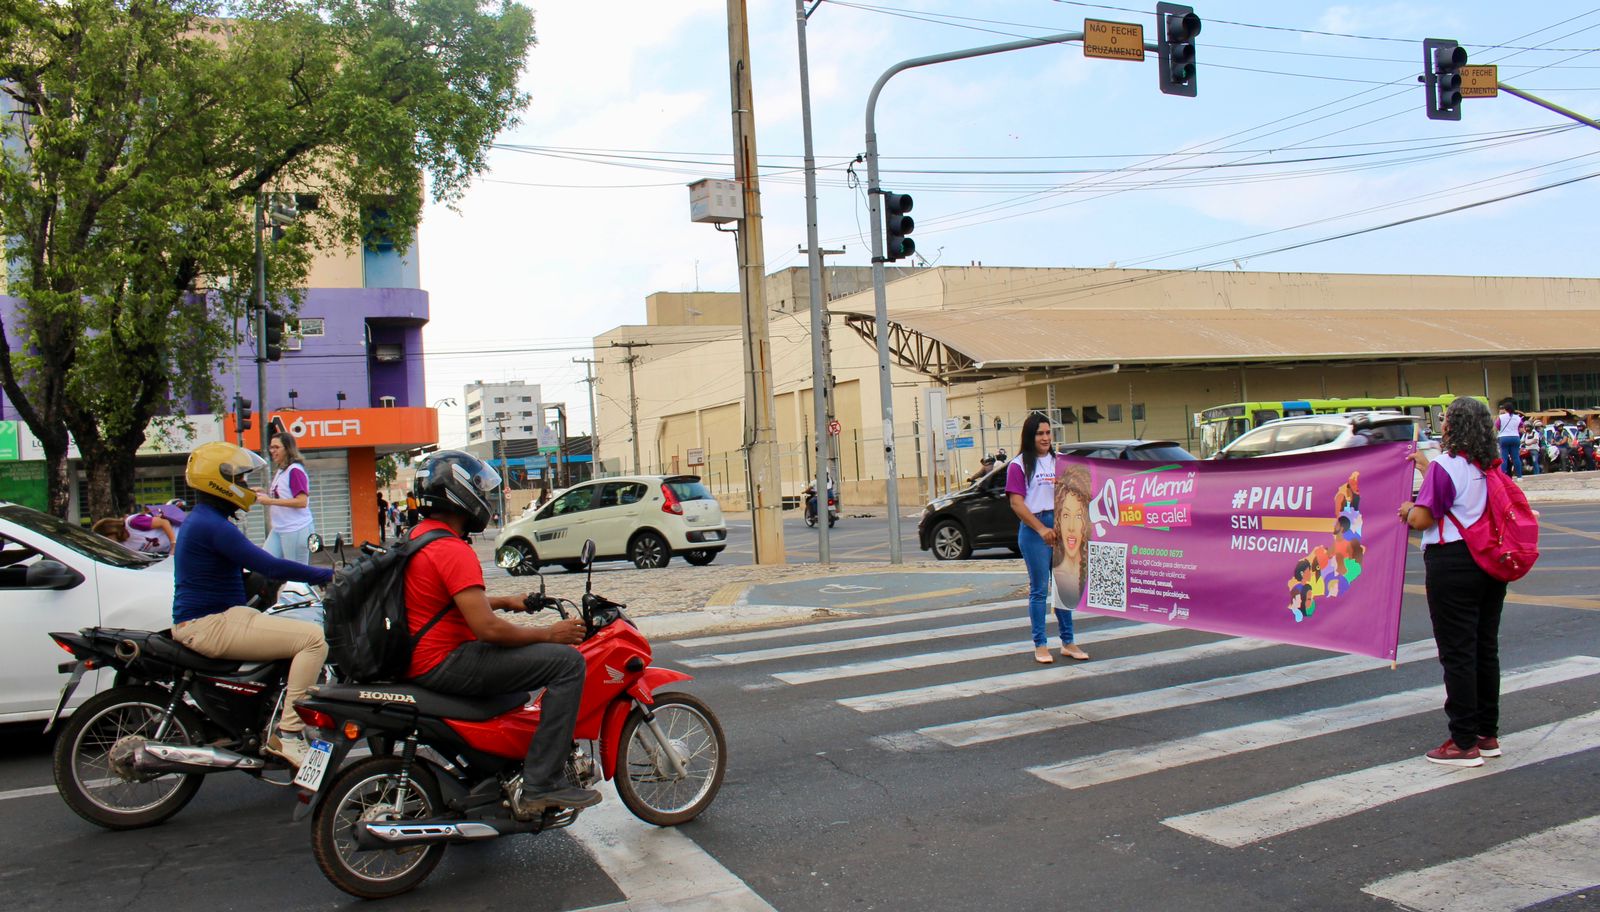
<point>1442,60</point>
<point>897,227</point>
<point>1176,28</point>
<point>272,341</point>
<point>241,414</point>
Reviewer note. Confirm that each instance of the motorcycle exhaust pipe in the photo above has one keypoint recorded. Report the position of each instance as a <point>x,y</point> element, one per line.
<point>155,757</point>
<point>375,835</point>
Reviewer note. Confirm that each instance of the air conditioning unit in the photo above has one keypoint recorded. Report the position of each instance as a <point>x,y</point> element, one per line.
<point>385,402</point>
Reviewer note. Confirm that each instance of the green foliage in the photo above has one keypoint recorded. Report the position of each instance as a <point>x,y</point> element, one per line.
<point>147,129</point>
<point>387,468</point>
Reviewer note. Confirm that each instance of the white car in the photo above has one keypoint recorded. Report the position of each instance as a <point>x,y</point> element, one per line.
<point>1316,433</point>
<point>57,576</point>
<point>645,519</point>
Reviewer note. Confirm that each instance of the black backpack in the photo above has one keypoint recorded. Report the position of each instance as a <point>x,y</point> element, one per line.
<point>364,614</point>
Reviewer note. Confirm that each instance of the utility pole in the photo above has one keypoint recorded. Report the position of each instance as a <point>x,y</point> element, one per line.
<point>594,416</point>
<point>262,409</point>
<point>827,363</point>
<point>500,431</point>
<point>633,399</point>
<point>761,456</point>
<point>819,358</point>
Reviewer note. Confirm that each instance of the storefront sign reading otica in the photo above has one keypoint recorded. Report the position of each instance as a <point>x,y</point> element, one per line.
<point>320,430</point>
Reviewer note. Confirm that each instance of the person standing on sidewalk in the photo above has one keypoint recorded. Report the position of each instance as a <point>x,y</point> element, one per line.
<point>1508,429</point>
<point>288,501</point>
<point>1464,602</point>
<point>1030,487</point>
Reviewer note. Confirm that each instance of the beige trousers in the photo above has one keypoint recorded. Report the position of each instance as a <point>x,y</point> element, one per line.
<point>248,635</point>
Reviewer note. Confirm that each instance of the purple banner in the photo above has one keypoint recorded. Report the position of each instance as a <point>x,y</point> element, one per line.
<point>1296,549</point>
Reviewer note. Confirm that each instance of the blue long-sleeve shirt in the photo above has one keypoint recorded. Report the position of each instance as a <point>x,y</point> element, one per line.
<point>207,560</point>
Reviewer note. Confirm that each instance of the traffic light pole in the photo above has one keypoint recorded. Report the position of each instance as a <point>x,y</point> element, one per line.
<point>819,369</point>
<point>875,217</point>
<point>262,411</point>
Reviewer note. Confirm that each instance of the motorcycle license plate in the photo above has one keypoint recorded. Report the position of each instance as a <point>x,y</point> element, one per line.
<point>316,765</point>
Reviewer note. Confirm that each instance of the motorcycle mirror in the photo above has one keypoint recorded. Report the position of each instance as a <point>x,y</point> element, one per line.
<point>587,553</point>
<point>314,543</point>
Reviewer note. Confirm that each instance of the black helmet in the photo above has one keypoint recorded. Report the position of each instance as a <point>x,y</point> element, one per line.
<point>456,481</point>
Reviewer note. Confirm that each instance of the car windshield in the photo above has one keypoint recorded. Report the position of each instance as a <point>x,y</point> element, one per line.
<point>1161,453</point>
<point>95,547</point>
<point>688,489</point>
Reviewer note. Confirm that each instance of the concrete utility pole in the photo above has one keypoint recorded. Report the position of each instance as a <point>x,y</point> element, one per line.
<point>819,360</point>
<point>594,416</point>
<point>262,409</point>
<point>761,438</point>
<point>500,430</point>
<point>633,400</point>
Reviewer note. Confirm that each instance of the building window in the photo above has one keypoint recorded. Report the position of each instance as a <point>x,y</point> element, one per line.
<point>1138,411</point>
<point>1114,412</point>
<point>527,429</point>
<point>499,399</point>
<point>527,414</point>
<point>475,405</point>
<point>527,398</point>
<point>309,326</point>
<point>1091,414</point>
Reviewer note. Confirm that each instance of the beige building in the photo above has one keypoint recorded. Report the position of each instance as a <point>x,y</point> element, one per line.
<point>1116,353</point>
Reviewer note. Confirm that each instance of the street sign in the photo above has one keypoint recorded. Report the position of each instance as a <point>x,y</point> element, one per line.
<point>834,428</point>
<point>952,427</point>
<point>961,443</point>
<point>695,456</point>
<point>1480,81</point>
<point>1113,40</point>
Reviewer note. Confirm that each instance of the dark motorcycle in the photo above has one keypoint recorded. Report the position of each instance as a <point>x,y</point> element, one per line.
<point>136,754</point>
<point>442,766</point>
<point>811,508</point>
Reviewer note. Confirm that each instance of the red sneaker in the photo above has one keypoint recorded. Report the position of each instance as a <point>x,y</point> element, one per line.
<point>1449,754</point>
<point>1489,747</point>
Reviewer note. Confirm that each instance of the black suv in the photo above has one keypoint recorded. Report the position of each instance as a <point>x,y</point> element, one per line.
<point>981,517</point>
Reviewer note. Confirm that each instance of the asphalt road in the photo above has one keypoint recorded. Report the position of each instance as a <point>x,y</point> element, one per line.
<point>917,759</point>
<point>852,539</point>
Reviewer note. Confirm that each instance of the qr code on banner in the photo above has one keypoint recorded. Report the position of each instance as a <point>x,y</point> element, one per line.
<point>1108,576</point>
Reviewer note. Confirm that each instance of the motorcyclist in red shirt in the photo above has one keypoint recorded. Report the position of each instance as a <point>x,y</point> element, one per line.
<point>470,650</point>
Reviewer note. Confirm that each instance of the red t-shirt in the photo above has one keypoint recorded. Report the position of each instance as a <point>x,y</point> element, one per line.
<point>434,576</point>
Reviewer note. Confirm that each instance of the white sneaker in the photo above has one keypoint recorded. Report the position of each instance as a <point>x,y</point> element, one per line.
<point>291,747</point>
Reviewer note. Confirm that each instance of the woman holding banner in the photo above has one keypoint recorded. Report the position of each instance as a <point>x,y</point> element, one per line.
<point>1464,602</point>
<point>1030,486</point>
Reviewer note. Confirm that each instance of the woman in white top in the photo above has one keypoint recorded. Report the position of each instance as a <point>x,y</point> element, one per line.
<point>288,501</point>
<point>1508,431</point>
<point>1463,601</point>
<point>1031,488</point>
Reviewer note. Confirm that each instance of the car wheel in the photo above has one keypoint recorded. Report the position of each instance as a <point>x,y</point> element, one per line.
<point>526,559</point>
<point>950,541</point>
<point>700,557</point>
<point>648,551</point>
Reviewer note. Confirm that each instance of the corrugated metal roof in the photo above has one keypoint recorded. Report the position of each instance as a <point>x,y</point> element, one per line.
<point>1000,339</point>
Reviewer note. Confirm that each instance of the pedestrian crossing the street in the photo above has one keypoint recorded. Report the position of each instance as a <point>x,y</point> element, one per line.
<point>961,663</point>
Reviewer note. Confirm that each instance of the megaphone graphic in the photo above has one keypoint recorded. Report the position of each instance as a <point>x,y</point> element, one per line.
<point>1105,508</point>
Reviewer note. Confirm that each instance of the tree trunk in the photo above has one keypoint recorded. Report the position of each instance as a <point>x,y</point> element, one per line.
<point>110,476</point>
<point>58,479</point>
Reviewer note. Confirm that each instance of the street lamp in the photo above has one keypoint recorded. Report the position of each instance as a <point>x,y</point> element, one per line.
<point>292,397</point>
<point>340,397</point>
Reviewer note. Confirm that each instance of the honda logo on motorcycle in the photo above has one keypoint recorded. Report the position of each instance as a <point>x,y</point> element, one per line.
<point>386,697</point>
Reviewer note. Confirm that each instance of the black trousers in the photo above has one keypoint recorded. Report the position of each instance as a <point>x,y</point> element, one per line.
<point>1465,604</point>
<point>484,669</point>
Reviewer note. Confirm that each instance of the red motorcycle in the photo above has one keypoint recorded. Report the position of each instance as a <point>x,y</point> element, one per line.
<point>442,766</point>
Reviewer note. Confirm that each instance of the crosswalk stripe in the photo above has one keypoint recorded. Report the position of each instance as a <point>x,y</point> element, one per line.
<point>1514,875</point>
<point>852,624</point>
<point>1012,725</point>
<point>831,646</point>
<point>1127,763</point>
<point>948,657</point>
<point>28,792</point>
<point>1039,676</point>
<point>1328,799</point>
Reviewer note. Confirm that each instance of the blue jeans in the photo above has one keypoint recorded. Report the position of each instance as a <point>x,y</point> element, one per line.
<point>1511,455</point>
<point>1036,556</point>
<point>290,545</point>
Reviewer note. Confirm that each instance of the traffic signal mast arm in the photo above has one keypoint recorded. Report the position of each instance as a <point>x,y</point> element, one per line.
<point>1550,106</point>
<point>1443,61</point>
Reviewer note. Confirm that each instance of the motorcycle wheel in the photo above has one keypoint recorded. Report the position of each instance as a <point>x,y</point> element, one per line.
<point>365,791</point>
<point>89,779</point>
<point>811,520</point>
<point>644,781</point>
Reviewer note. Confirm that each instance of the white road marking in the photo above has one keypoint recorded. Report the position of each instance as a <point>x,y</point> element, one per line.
<point>853,624</point>
<point>1012,725</point>
<point>949,657</point>
<point>888,639</point>
<point>28,792</point>
<point>658,868</point>
<point>1513,875</point>
<point>1328,799</point>
<point>1116,765</point>
<point>1039,676</point>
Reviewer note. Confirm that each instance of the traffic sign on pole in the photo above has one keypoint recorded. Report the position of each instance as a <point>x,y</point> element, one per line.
<point>834,428</point>
<point>1480,81</point>
<point>1113,40</point>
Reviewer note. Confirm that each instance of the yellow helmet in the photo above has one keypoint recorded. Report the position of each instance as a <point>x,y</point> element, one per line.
<point>220,469</point>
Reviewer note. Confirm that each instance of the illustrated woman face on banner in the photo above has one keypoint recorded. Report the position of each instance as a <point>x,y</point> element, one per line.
<point>1071,557</point>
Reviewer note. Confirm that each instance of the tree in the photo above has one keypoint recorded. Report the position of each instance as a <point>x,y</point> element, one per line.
<point>387,469</point>
<point>145,129</point>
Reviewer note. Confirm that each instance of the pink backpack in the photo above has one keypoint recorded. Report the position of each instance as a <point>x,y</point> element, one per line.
<point>1505,539</point>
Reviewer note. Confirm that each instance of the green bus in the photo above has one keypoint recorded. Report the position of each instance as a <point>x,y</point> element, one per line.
<point>1221,424</point>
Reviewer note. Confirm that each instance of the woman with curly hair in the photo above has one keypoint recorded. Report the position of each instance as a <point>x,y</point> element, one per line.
<point>1072,549</point>
<point>1463,601</point>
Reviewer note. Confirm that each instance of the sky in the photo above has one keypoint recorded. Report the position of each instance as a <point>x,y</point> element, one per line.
<point>1309,125</point>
